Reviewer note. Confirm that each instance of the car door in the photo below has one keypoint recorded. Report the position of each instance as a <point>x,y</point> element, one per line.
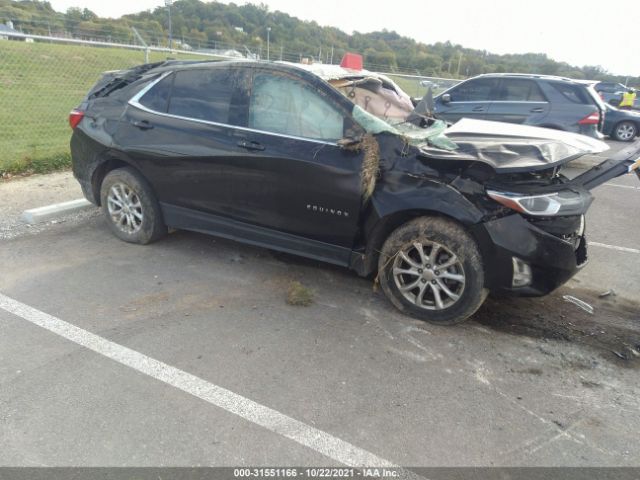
<point>293,177</point>
<point>181,132</point>
<point>470,99</point>
<point>519,100</point>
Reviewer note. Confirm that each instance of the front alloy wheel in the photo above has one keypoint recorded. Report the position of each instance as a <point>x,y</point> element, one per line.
<point>431,268</point>
<point>429,275</point>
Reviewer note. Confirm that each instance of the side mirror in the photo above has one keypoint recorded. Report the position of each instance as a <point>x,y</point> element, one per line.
<point>446,98</point>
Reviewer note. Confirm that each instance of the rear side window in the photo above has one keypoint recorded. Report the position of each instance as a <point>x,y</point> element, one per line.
<point>520,90</point>
<point>203,94</point>
<point>478,90</point>
<point>572,93</point>
<point>157,99</point>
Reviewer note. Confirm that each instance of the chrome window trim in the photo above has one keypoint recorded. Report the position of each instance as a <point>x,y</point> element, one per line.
<point>135,102</point>
<point>500,101</point>
<point>520,101</point>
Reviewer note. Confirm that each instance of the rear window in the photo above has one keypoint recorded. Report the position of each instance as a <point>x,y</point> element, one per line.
<point>606,87</point>
<point>203,94</point>
<point>573,93</point>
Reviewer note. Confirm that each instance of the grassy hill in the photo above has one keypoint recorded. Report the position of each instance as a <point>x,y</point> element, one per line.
<point>39,84</point>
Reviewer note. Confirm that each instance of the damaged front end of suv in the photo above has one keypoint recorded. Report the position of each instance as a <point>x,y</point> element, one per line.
<point>339,165</point>
<point>502,182</point>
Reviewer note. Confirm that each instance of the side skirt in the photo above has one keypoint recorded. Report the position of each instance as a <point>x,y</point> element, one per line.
<point>196,221</point>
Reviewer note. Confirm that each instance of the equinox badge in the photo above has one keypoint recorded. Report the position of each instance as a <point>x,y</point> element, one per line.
<point>330,211</point>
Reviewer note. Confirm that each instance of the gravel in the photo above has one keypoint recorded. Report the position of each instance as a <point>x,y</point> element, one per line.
<point>21,193</point>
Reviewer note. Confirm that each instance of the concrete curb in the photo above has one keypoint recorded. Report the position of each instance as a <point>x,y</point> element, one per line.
<point>48,212</point>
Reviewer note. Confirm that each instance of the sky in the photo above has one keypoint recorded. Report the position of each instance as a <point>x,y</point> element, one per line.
<point>580,32</point>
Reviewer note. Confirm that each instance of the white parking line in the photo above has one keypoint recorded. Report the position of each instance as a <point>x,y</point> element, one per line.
<point>318,440</point>
<point>630,187</point>
<point>614,247</point>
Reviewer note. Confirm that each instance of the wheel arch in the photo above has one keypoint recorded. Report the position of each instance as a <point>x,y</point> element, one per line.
<point>107,164</point>
<point>385,225</point>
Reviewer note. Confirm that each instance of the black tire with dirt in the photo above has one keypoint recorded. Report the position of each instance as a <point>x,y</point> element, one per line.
<point>130,207</point>
<point>441,242</point>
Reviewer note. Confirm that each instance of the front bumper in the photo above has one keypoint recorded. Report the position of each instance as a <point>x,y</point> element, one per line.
<point>553,260</point>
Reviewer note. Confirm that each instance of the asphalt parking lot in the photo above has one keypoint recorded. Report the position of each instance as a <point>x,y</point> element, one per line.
<point>185,353</point>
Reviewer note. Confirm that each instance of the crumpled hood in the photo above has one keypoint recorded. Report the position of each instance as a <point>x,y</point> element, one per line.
<point>513,148</point>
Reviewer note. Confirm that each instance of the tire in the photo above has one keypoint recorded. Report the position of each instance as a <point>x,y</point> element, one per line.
<point>464,276</point>
<point>625,131</point>
<point>130,207</point>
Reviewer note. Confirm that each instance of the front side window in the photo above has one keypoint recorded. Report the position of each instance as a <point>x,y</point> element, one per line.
<point>290,107</point>
<point>203,94</point>
<point>478,90</point>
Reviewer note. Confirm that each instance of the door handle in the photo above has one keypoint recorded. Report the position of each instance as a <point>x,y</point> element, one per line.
<point>252,146</point>
<point>537,110</point>
<point>479,108</point>
<point>142,124</point>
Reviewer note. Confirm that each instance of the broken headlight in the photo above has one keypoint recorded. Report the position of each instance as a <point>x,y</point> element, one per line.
<point>565,202</point>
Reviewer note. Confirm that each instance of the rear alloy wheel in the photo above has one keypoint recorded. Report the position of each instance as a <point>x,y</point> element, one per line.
<point>130,207</point>
<point>431,269</point>
<point>125,209</point>
<point>625,131</point>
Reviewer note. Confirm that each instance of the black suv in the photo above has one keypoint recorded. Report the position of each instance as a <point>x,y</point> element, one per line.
<point>308,161</point>
<point>538,100</point>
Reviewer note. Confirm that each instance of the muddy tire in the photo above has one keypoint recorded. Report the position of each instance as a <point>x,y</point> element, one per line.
<point>431,269</point>
<point>131,208</point>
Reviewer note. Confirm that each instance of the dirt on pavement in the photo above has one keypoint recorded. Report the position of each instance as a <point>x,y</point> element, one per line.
<point>613,328</point>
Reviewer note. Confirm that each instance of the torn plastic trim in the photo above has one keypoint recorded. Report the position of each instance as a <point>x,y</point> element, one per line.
<point>418,136</point>
<point>623,162</point>
<point>116,79</point>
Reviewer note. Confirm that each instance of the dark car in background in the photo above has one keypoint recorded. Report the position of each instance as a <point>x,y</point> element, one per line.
<point>611,92</point>
<point>284,157</point>
<point>538,100</point>
<point>622,125</point>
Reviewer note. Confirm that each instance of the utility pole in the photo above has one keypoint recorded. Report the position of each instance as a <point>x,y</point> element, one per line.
<point>459,63</point>
<point>268,41</point>
<point>281,52</point>
<point>168,4</point>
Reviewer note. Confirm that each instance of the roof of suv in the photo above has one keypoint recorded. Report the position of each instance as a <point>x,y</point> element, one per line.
<point>321,70</point>
<point>528,75</point>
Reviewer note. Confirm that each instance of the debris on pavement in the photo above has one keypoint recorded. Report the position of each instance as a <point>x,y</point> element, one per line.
<point>612,329</point>
<point>299,295</point>
<point>607,293</point>
<point>576,301</point>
